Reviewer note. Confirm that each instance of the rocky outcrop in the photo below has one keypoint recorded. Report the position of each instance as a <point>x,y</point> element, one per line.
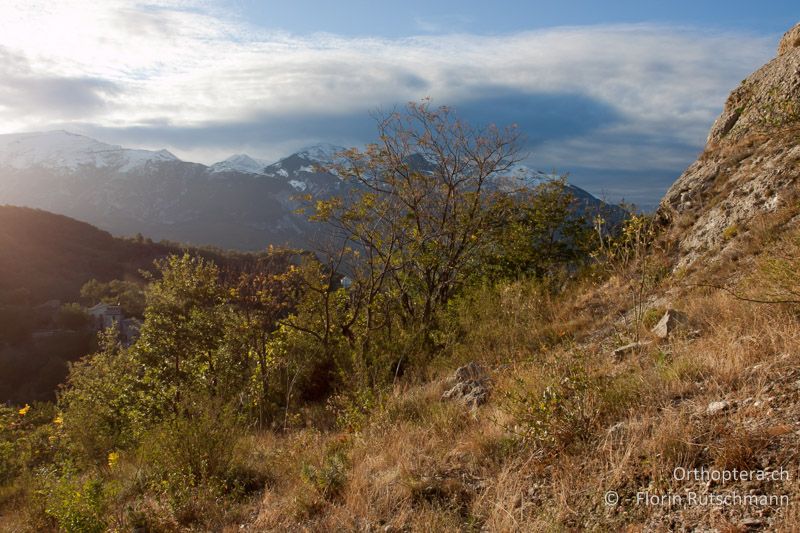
<point>668,324</point>
<point>790,41</point>
<point>751,162</point>
<point>468,385</point>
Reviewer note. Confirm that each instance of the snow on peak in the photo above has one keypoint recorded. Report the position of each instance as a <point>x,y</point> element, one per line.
<point>322,152</point>
<point>240,163</point>
<point>70,151</point>
<point>298,185</point>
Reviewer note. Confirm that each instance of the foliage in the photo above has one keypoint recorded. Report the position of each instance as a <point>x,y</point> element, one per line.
<point>104,403</point>
<point>9,433</point>
<point>537,232</point>
<point>49,257</point>
<point>556,413</point>
<point>127,294</point>
<point>416,225</point>
<point>526,309</point>
<point>193,451</point>
<point>71,316</point>
<point>430,258</point>
<point>632,256</point>
<point>76,503</point>
<point>328,478</point>
<point>179,342</point>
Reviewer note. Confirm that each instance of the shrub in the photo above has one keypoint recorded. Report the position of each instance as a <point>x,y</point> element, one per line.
<point>193,458</point>
<point>553,412</point>
<point>730,232</point>
<point>499,323</point>
<point>102,408</point>
<point>72,316</point>
<point>9,463</point>
<point>328,478</point>
<point>77,503</point>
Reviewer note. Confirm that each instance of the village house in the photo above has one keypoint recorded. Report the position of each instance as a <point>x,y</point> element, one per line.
<point>105,315</point>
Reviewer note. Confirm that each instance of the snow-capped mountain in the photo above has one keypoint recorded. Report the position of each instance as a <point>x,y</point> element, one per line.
<point>305,171</point>
<point>240,163</point>
<point>68,151</point>
<point>239,203</point>
<point>321,152</point>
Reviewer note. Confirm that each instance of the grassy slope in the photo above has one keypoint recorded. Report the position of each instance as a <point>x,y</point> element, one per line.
<point>425,465</point>
<point>420,464</point>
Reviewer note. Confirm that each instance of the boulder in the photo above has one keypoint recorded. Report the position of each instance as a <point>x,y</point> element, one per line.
<point>469,385</point>
<point>715,408</point>
<point>668,324</point>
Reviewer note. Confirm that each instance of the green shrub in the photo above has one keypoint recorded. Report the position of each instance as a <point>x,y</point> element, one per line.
<point>77,503</point>
<point>554,412</point>
<point>102,409</point>
<point>730,232</point>
<point>9,466</point>
<point>193,458</point>
<point>568,403</point>
<point>328,477</point>
<point>71,316</point>
<point>651,317</point>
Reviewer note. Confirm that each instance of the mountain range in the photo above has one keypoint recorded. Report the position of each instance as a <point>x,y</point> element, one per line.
<point>241,203</point>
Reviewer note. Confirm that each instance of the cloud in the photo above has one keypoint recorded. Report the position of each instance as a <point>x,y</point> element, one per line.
<point>43,96</point>
<point>625,97</point>
<point>542,116</point>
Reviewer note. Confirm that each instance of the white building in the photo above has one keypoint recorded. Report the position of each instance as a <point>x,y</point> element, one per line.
<point>105,315</point>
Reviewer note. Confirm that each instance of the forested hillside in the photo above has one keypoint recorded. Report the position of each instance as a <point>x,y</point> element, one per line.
<point>47,256</point>
<point>46,260</point>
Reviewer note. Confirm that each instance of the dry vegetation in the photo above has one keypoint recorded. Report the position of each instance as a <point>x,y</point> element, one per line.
<point>570,415</point>
<point>516,465</point>
<point>565,423</point>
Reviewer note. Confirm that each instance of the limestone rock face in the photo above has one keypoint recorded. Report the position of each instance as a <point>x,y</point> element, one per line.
<point>668,324</point>
<point>790,41</point>
<point>751,162</point>
<point>469,385</point>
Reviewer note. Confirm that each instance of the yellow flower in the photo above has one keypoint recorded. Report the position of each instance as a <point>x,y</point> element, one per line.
<point>113,458</point>
<point>24,410</point>
<point>58,420</point>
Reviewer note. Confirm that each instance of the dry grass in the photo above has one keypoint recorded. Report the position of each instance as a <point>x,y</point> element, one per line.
<point>421,464</point>
<point>424,465</point>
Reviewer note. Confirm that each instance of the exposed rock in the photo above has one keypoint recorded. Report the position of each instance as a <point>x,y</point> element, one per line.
<point>715,408</point>
<point>469,372</point>
<point>622,351</point>
<point>668,324</point>
<point>617,430</point>
<point>750,162</point>
<point>470,385</point>
<point>790,41</point>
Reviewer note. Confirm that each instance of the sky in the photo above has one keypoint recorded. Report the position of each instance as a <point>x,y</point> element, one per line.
<point>619,94</point>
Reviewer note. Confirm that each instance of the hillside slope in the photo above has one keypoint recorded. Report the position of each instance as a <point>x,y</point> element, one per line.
<point>647,395</point>
<point>51,256</point>
<point>595,420</point>
<point>46,257</point>
<point>750,165</point>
